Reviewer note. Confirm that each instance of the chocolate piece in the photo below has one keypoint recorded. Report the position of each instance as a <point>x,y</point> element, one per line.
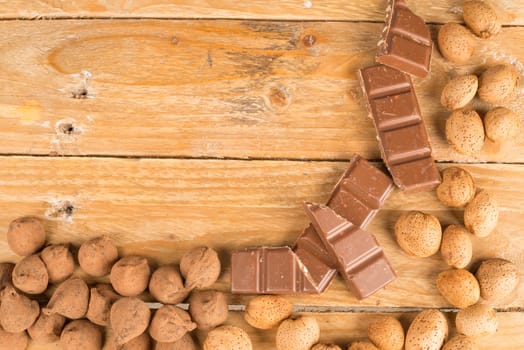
<point>402,135</point>
<point>265,270</point>
<point>360,260</point>
<point>406,41</point>
<point>357,197</point>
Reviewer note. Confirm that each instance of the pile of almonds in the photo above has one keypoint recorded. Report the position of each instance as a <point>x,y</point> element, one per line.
<point>420,234</point>
<point>76,313</point>
<point>465,130</point>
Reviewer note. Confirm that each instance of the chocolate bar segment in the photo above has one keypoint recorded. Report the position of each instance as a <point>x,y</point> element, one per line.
<point>267,270</point>
<point>360,260</point>
<point>357,197</point>
<point>402,135</point>
<point>406,42</point>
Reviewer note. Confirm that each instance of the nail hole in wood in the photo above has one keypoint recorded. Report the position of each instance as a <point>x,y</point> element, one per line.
<point>80,93</point>
<point>67,128</point>
<point>61,210</point>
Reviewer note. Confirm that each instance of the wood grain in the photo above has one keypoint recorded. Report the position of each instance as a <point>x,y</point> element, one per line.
<point>161,208</point>
<point>512,12</point>
<point>239,89</point>
<point>344,328</point>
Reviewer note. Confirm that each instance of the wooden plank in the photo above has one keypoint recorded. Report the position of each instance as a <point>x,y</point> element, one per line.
<point>235,89</point>
<point>344,328</point>
<point>512,12</point>
<point>161,208</point>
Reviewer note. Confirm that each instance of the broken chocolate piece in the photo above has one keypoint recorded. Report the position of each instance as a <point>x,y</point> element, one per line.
<point>360,260</point>
<point>406,42</point>
<point>267,270</point>
<point>402,135</point>
<point>357,196</point>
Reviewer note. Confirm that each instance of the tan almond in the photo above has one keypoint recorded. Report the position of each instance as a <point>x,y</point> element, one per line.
<point>476,321</point>
<point>465,132</point>
<point>457,187</point>
<point>501,124</point>
<point>456,43</point>
<point>481,18</point>
<point>498,84</point>
<point>459,287</point>
<point>481,214</point>
<point>456,247</point>
<point>459,91</point>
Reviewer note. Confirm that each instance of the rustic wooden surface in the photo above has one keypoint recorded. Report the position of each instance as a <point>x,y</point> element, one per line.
<point>433,11</point>
<point>240,89</point>
<point>161,208</point>
<point>168,135</point>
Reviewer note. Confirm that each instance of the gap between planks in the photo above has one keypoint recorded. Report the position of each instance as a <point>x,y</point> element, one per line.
<point>433,11</point>
<point>250,159</point>
<point>279,20</point>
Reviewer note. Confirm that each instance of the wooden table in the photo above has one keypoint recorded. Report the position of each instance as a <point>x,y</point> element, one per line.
<point>174,124</point>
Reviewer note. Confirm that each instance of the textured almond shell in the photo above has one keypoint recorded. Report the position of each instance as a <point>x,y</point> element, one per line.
<point>456,43</point>
<point>498,84</point>
<point>459,287</point>
<point>299,334</point>
<point>428,331</point>
<point>498,278</point>
<point>460,342</point>
<point>456,248</point>
<point>501,124</point>
<point>465,132</point>
<point>481,214</point>
<point>326,347</point>
<point>386,332</point>
<point>362,345</point>
<point>481,18</point>
<point>227,338</point>
<point>267,311</point>
<point>459,91</point>
<point>476,321</point>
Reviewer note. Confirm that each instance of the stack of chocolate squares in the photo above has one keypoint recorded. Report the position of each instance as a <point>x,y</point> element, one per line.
<point>336,240</point>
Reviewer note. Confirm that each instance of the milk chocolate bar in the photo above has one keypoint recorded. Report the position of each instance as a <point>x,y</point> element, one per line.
<point>357,197</point>
<point>402,135</point>
<point>406,42</point>
<point>360,260</point>
<point>267,270</point>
